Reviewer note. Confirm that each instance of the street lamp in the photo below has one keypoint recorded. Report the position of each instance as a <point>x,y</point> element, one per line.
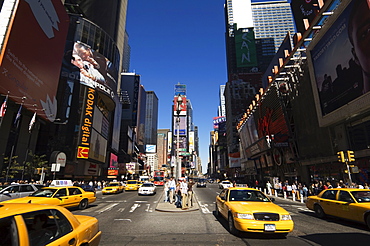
<point>178,161</point>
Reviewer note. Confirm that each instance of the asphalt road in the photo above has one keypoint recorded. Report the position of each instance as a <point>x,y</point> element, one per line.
<point>129,219</point>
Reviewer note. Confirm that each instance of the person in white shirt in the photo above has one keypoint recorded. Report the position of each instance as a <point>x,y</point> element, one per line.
<point>184,194</point>
<point>172,188</point>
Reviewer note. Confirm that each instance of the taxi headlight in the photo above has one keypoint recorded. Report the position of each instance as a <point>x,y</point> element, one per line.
<point>286,217</point>
<point>244,216</point>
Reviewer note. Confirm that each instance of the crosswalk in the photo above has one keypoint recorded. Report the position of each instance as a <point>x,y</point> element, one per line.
<point>120,207</point>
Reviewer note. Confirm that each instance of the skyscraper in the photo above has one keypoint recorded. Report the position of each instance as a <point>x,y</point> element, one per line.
<point>272,19</point>
<point>151,118</point>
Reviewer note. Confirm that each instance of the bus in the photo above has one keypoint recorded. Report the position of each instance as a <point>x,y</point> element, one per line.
<point>159,177</point>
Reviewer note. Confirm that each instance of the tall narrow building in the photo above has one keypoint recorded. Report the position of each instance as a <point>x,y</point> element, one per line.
<point>151,118</point>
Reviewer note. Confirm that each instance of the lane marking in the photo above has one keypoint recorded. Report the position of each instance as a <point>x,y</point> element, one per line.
<point>107,208</point>
<point>204,208</point>
<point>135,206</point>
<point>148,208</point>
<point>124,220</point>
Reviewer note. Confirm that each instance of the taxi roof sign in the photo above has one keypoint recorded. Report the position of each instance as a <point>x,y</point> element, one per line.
<point>61,183</point>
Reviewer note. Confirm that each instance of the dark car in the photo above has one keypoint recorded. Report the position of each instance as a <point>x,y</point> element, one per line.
<point>87,187</point>
<point>202,183</point>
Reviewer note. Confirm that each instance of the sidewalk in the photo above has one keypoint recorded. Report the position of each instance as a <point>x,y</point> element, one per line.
<point>168,207</point>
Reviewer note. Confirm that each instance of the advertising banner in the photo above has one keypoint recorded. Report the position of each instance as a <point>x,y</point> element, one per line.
<point>245,48</point>
<point>182,107</point>
<point>340,61</point>
<point>32,54</point>
<point>86,127</point>
<point>113,161</point>
<point>180,90</point>
<point>304,11</point>
<point>94,69</point>
<point>182,128</point>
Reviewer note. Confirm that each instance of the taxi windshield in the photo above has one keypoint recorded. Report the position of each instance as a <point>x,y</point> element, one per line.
<point>247,195</point>
<point>361,196</point>
<point>113,184</point>
<point>44,193</point>
<point>131,182</point>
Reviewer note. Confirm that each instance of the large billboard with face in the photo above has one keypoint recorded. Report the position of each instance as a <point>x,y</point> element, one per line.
<point>95,70</point>
<point>340,64</point>
<point>32,54</point>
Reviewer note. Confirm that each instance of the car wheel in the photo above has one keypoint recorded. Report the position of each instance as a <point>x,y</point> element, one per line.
<point>83,204</point>
<point>319,211</point>
<point>217,213</point>
<point>232,228</point>
<point>367,220</point>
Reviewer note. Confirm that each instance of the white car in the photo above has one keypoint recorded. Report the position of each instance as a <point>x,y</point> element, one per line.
<point>225,184</point>
<point>147,189</point>
<point>18,190</point>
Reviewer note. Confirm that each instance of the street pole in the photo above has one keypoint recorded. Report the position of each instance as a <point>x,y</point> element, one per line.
<point>178,162</point>
<point>349,174</point>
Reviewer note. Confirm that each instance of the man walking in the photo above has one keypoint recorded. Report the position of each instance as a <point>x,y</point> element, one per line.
<point>172,187</point>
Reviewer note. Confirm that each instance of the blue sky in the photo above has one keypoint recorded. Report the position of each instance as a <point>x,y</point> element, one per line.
<point>180,41</point>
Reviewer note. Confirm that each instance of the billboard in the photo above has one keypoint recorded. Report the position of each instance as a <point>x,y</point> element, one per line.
<point>94,69</point>
<point>304,11</point>
<point>150,148</point>
<point>180,90</point>
<point>86,127</point>
<point>182,108</point>
<point>339,65</point>
<point>113,163</point>
<point>217,121</point>
<point>191,142</point>
<point>30,66</point>
<point>245,48</point>
<point>182,128</point>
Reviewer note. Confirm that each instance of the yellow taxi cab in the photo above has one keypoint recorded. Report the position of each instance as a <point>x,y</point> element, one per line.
<point>346,203</point>
<point>250,210</point>
<point>113,188</point>
<point>68,196</point>
<point>35,224</point>
<point>132,185</point>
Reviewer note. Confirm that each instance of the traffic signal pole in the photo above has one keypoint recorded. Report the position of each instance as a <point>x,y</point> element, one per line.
<point>349,173</point>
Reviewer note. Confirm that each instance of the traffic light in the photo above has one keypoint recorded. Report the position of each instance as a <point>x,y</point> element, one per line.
<point>341,156</point>
<point>351,155</point>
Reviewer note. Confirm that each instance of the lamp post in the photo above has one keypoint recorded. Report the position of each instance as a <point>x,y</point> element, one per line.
<point>178,161</point>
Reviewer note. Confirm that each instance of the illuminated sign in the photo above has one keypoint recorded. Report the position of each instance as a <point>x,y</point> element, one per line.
<point>87,117</point>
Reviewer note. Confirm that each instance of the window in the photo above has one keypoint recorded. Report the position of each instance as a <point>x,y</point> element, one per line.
<point>45,226</point>
<point>61,192</point>
<point>344,196</point>
<point>25,188</point>
<point>329,194</point>
<point>8,232</point>
<point>74,191</point>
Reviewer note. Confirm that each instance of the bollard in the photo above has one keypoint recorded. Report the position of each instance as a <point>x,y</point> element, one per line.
<point>264,191</point>
<point>302,199</point>
<point>284,194</point>
<point>276,193</point>
<point>293,196</point>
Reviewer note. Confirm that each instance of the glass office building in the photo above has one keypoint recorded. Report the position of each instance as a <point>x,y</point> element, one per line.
<point>272,19</point>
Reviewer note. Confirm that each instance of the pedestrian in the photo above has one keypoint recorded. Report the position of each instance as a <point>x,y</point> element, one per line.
<point>178,195</point>
<point>190,193</point>
<point>166,189</point>
<point>269,186</point>
<point>184,194</point>
<point>172,188</point>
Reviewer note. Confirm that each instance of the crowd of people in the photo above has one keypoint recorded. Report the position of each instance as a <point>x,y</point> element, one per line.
<point>179,193</point>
